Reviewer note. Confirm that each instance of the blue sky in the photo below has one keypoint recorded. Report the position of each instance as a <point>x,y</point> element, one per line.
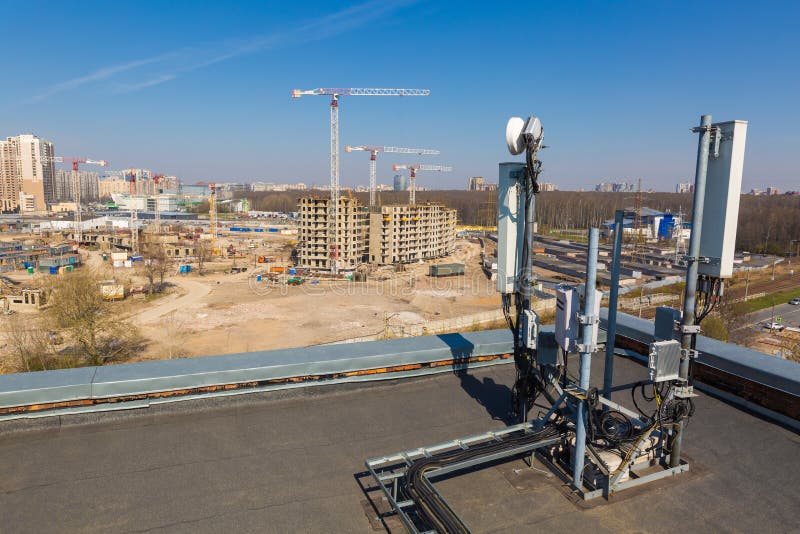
<point>201,89</point>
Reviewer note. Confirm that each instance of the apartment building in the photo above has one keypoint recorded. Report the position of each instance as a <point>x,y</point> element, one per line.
<point>403,233</point>
<point>26,165</point>
<point>111,185</point>
<point>9,176</point>
<point>89,186</point>
<point>314,241</point>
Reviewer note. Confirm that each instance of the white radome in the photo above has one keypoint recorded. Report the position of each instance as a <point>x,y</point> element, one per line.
<point>514,135</point>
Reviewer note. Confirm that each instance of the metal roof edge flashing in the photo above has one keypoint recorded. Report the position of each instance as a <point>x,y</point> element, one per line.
<point>242,372</point>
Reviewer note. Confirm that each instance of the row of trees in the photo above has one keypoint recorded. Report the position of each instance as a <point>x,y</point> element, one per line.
<point>766,223</point>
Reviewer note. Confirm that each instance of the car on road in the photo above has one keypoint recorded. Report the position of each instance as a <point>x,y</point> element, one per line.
<point>778,327</point>
<point>795,302</point>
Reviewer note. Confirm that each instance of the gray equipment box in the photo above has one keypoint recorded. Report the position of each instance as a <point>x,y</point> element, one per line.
<point>665,323</point>
<point>547,350</point>
<point>665,360</point>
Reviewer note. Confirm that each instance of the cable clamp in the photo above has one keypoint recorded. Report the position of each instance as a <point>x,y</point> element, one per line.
<point>684,391</point>
<point>588,319</point>
<point>590,348</point>
<point>690,329</point>
<point>691,354</point>
<point>699,259</point>
<point>701,129</point>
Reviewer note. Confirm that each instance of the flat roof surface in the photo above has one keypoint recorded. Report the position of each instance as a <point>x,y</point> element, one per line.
<point>291,464</point>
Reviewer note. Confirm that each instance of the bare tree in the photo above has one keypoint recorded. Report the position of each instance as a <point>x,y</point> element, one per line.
<point>155,266</point>
<point>175,334</point>
<point>203,252</point>
<point>97,333</point>
<point>31,343</point>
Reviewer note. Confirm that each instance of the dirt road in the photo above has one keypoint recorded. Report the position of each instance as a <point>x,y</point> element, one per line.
<point>194,291</point>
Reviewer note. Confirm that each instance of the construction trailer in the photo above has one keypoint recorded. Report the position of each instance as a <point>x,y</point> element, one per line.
<point>439,270</point>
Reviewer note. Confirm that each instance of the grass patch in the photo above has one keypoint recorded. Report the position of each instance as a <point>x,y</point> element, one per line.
<point>781,297</point>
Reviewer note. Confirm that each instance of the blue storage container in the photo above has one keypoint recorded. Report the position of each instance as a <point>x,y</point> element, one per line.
<point>53,270</point>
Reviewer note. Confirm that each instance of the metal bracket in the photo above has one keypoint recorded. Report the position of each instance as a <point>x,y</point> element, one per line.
<point>580,347</point>
<point>701,129</point>
<point>684,392</point>
<point>692,354</point>
<point>700,259</point>
<point>587,319</point>
<point>690,329</point>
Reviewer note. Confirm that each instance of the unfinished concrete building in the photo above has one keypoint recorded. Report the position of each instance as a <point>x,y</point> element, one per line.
<point>404,233</point>
<point>315,245</point>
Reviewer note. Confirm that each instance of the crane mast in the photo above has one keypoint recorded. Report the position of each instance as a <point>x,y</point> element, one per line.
<point>76,187</point>
<point>157,222</point>
<point>212,213</point>
<point>335,93</point>
<point>412,186</point>
<point>373,150</point>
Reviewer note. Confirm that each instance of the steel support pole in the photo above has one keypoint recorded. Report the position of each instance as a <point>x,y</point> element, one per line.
<point>613,297</point>
<point>688,320</point>
<point>527,265</point>
<point>527,281</point>
<point>587,341</point>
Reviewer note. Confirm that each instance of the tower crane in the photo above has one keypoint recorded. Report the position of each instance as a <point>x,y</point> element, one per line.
<point>373,150</point>
<point>412,189</point>
<point>335,93</point>
<point>212,213</point>
<point>157,222</point>
<point>76,186</point>
<point>131,177</point>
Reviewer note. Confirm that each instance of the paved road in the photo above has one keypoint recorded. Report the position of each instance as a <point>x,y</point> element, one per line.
<point>788,312</point>
<point>291,465</point>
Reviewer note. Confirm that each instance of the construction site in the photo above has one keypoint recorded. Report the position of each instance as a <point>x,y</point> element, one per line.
<point>303,325</point>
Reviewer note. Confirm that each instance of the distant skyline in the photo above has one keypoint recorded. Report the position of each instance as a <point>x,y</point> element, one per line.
<point>203,92</point>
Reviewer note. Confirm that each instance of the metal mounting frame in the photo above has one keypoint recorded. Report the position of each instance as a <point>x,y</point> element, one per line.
<point>389,470</point>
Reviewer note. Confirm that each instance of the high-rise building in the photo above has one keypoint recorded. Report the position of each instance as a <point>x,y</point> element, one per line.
<point>89,185</point>
<point>399,233</point>
<point>316,247</point>
<point>400,182</point>
<point>475,183</point>
<point>615,187</point>
<point>9,176</point>
<point>548,186</point>
<point>404,233</point>
<point>143,183</point>
<point>27,166</point>
<point>478,183</point>
<point>684,187</point>
<point>109,185</point>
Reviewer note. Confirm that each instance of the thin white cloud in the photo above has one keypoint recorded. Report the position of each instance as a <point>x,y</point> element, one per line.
<point>129,87</point>
<point>178,62</point>
<point>100,75</point>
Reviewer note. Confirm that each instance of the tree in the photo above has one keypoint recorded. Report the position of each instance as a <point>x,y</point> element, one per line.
<point>98,335</point>
<point>203,252</point>
<point>155,266</point>
<point>31,343</point>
